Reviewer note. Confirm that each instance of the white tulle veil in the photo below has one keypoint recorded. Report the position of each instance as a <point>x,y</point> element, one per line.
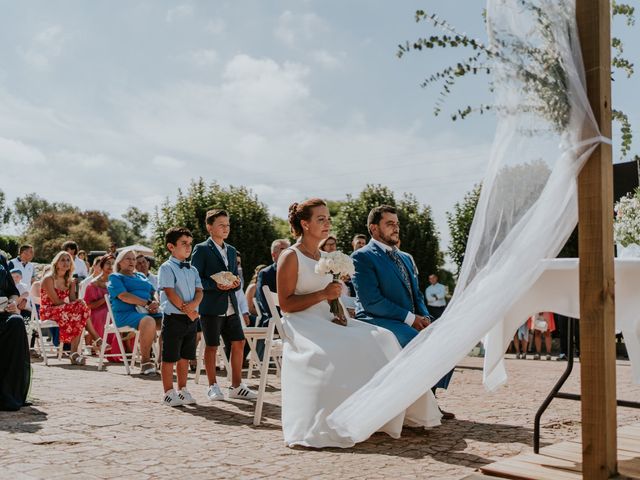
<point>526,211</point>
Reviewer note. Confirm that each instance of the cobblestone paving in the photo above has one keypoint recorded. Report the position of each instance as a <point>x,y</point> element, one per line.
<point>90,424</point>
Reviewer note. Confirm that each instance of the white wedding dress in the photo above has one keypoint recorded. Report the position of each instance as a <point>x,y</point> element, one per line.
<point>325,363</point>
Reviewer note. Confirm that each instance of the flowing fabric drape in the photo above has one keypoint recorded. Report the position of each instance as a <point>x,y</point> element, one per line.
<point>526,211</point>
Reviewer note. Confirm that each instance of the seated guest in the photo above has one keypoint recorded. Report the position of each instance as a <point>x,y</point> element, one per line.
<point>329,244</point>
<point>15,368</point>
<point>268,277</point>
<point>80,269</point>
<point>128,290</point>
<point>142,266</point>
<point>23,302</point>
<point>58,302</point>
<point>250,293</point>
<point>358,241</point>
<point>94,296</point>
<point>23,263</point>
<point>94,272</point>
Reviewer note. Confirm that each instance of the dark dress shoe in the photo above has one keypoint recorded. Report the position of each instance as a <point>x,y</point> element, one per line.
<point>447,415</point>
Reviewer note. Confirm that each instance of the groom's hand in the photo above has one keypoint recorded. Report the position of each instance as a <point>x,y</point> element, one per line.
<point>420,323</point>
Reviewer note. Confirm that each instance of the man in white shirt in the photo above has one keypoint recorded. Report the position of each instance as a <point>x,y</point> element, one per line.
<point>23,302</point>
<point>142,266</point>
<point>23,263</point>
<point>435,295</point>
<point>80,268</point>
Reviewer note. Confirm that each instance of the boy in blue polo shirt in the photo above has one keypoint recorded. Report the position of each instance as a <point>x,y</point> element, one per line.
<point>180,294</point>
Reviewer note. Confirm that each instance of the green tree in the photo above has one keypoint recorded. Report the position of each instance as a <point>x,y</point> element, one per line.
<point>418,231</point>
<point>5,211</point>
<point>137,220</point>
<point>28,208</point>
<point>252,228</point>
<point>51,229</point>
<point>459,221</point>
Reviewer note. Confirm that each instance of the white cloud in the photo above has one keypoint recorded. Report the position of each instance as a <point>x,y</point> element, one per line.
<point>203,58</point>
<point>19,154</point>
<point>328,60</point>
<point>216,26</point>
<point>45,46</point>
<point>165,161</point>
<point>176,13</point>
<point>292,29</point>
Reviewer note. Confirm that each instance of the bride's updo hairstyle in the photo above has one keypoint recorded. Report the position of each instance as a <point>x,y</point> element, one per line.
<point>302,211</point>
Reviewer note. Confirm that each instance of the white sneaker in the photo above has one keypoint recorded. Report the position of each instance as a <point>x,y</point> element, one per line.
<point>186,397</point>
<point>242,392</point>
<point>214,393</point>
<point>172,399</point>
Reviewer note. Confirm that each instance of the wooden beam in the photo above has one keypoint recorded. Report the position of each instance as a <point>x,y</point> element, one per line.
<point>595,193</point>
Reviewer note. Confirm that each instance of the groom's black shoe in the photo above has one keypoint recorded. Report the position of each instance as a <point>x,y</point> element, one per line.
<point>447,415</point>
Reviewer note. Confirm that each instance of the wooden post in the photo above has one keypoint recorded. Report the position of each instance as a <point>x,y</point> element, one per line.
<point>595,193</point>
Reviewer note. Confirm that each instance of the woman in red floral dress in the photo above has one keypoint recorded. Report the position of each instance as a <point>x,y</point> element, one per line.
<point>59,303</point>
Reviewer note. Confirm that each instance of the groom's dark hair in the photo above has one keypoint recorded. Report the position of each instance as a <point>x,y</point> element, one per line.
<point>375,215</point>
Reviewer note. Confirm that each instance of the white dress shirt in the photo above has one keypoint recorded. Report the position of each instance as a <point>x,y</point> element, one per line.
<point>26,270</point>
<point>80,267</point>
<point>411,317</point>
<point>438,291</point>
<point>223,251</point>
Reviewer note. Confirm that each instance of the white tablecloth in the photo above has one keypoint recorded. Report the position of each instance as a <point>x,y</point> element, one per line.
<point>557,291</point>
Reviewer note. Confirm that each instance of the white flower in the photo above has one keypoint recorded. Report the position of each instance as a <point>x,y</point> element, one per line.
<point>335,263</point>
<point>626,228</point>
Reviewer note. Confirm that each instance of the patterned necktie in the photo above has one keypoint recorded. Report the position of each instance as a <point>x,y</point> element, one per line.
<point>395,257</point>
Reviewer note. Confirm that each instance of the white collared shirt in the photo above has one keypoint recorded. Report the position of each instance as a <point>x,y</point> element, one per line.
<point>80,267</point>
<point>438,291</point>
<point>223,251</point>
<point>27,270</point>
<point>411,317</point>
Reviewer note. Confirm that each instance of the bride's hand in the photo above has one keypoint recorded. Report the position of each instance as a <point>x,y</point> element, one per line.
<point>333,291</point>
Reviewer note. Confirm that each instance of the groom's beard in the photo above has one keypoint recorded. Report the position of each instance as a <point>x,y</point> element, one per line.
<point>391,240</point>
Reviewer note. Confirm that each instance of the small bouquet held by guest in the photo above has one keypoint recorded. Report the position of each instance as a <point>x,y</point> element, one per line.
<point>338,265</point>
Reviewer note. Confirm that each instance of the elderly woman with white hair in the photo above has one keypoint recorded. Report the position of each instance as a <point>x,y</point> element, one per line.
<point>134,305</point>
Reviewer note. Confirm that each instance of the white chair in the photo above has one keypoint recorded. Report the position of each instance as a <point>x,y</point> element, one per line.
<point>272,350</point>
<point>220,354</point>
<point>111,327</point>
<point>45,346</point>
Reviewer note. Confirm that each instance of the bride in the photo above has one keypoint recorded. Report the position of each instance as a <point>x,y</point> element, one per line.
<point>324,363</point>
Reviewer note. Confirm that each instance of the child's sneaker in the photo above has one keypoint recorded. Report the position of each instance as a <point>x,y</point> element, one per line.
<point>214,393</point>
<point>172,399</point>
<point>242,392</point>
<point>186,397</point>
<point>536,356</point>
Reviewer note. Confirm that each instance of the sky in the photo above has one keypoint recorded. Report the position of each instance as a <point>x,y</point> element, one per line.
<point>109,104</point>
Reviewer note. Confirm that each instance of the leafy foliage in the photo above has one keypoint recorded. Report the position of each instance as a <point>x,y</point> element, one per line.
<point>9,246</point>
<point>28,208</point>
<point>252,229</point>
<point>418,231</point>
<point>459,221</point>
<point>543,76</point>
<point>5,211</point>
<point>137,221</point>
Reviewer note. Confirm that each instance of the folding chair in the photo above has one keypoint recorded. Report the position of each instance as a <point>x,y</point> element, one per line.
<point>220,354</point>
<point>111,327</point>
<point>47,346</point>
<point>272,350</point>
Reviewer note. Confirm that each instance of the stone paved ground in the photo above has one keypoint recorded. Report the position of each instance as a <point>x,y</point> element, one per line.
<point>90,424</point>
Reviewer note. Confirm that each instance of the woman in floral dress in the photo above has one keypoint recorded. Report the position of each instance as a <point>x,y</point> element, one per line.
<point>59,303</point>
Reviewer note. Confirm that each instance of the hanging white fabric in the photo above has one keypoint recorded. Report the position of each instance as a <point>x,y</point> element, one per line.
<point>526,211</point>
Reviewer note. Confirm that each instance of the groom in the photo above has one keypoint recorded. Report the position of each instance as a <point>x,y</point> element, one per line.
<point>386,287</point>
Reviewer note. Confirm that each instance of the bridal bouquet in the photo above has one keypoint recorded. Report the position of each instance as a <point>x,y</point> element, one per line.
<point>338,265</point>
<point>626,227</point>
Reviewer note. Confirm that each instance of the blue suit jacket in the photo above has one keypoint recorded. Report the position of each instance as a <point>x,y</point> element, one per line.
<point>208,260</point>
<point>267,276</point>
<point>380,290</point>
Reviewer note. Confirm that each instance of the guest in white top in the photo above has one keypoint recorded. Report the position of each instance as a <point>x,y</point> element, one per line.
<point>80,267</point>
<point>23,263</point>
<point>435,296</point>
<point>142,266</point>
<point>23,289</point>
